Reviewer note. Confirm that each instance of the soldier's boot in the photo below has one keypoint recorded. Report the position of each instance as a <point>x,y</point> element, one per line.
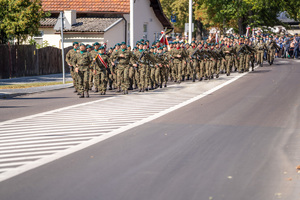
<point>78,93</point>
<point>151,88</point>
<point>81,95</point>
<point>75,91</point>
<point>96,90</point>
<point>110,85</point>
<point>194,77</point>
<point>146,89</point>
<point>188,77</point>
<point>217,76</point>
<point>87,94</point>
<point>104,92</point>
<point>165,85</point>
<point>119,89</point>
<point>261,65</point>
<point>201,78</point>
<point>182,78</point>
<point>228,73</point>
<point>160,86</point>
<point>212,77</point>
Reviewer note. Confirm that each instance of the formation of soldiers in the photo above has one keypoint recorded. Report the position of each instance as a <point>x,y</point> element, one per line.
<point>148,67</point>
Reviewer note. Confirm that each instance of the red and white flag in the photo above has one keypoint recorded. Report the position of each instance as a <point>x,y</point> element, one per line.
<point>164,39</point>
<point>248,32</point>
<point>217,38</point>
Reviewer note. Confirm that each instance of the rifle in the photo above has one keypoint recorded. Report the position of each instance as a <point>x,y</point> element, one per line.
<point>242,48</point>
<point>195,52</point>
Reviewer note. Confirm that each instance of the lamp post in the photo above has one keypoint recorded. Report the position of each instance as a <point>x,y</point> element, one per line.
<point>190,20</point>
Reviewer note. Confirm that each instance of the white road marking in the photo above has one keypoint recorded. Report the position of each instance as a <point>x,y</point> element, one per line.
<point>51,135</point>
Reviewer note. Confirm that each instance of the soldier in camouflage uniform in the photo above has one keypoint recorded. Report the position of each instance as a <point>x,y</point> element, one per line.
<point>69,59</point>
<point>82,61</point>
<point>124,58</point>
<point>94,53</point>
<point>177,55</point>
<point>101,71</point>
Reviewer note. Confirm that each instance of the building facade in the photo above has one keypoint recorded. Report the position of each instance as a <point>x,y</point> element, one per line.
<point>103,21</point>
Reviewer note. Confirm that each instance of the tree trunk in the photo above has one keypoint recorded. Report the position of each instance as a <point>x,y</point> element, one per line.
<point>199,30</point>
<point>242,26</point>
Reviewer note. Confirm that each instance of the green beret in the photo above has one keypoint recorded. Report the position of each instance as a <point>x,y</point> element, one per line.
<point>81,44</point>
<point>142,40</point>
<point>88,46</point>
<point>102,47</point>
<point>193,42</point>
<point>75,43</point>
<point>128,46</point>
<point>118,44</point>
<point>123,43</point>
<point>151,47</point>
<point>96,43</point>
<point>160,48</point>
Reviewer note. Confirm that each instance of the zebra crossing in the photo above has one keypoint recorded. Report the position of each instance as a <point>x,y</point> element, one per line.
<point>32,141</point>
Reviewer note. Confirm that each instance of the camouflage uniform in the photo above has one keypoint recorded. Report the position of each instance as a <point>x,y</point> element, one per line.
<point>70,60</point>
<point>83,61</point>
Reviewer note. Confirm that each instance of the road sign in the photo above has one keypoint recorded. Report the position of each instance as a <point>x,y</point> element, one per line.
<point>173,18</point>
<point>66,25</point>
<point>186,27</point>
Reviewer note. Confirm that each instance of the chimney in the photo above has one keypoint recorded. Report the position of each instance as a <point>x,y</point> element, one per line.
<point>70,16</point>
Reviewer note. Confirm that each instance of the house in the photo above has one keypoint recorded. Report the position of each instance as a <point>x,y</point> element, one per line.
<point>293,26</point>
<point>103,21</point>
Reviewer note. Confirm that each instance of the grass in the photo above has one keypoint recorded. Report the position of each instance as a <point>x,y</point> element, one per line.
<point>30,85</point>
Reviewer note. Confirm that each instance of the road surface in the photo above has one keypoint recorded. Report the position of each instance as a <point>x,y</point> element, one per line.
<point>188,141</point>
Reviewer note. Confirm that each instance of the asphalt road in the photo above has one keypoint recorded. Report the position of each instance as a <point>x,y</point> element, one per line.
<point>239,143</point>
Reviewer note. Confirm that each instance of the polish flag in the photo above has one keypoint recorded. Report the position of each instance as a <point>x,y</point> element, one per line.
<point>217,38</point>
<point>247,33</point>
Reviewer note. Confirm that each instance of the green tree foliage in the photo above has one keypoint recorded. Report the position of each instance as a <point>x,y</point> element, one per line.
<point>235,14</point>
<point>20,19</point>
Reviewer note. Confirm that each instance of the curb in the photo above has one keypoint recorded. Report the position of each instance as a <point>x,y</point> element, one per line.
<point>42,89</point>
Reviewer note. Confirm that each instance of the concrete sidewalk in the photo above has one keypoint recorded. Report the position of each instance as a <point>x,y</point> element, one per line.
<point>7,93</point>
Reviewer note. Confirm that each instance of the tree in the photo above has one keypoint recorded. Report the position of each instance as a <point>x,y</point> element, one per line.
<point>20,19</point>
<point>236,14</point>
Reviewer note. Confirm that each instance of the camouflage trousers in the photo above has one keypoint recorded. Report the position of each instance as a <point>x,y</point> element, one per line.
<point>101,79</point>
<point>123,77</point>
<point>83,81</point>
<point>91,79</point>
<point>228,64</point>
<point>142,77</point>
<point>177,69</point>
<point>74,76</point>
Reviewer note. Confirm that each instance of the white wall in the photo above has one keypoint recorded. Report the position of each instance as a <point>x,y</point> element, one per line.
<point>145,14</point>
<point>84,38</point>
<point>54,39</point>
<point>115,35</point>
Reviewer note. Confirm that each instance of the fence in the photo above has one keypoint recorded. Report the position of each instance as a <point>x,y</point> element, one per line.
<point>26,60</point>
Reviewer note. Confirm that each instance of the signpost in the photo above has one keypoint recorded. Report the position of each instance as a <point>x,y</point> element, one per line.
<point>62,24</point>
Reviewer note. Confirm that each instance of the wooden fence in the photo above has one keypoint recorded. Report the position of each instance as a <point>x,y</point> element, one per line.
<point>26,60</point>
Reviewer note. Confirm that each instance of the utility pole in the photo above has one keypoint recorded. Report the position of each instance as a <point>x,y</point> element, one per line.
<point>131,23</point>
<point>190,20</point>
<point>62,46</point>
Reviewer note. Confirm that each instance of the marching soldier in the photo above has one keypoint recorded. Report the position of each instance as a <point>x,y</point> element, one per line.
<point>82,61</point>
<point>101,71</point>
<point>92,78</point>
<point>70,60</point>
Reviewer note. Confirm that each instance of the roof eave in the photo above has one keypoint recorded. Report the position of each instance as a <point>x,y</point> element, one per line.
<point>156,6</point>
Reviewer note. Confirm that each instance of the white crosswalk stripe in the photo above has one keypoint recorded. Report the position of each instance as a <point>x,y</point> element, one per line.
<point>29,142</point>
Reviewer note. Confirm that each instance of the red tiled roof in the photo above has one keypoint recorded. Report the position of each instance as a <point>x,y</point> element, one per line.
<point>121,6</point>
